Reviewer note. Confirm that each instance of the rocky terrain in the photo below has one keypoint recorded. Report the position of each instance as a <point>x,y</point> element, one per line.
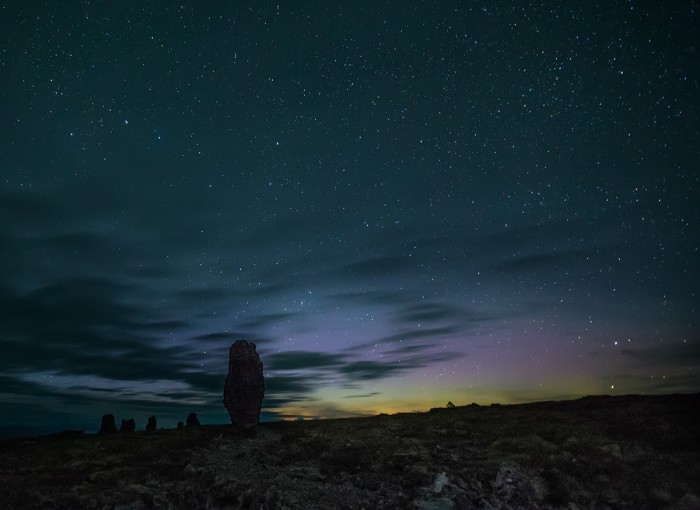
<point>631,452</point>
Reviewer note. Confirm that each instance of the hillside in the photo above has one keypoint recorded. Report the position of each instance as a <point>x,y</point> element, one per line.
<point>596,452</point>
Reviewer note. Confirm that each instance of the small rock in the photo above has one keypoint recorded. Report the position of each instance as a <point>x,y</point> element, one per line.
<point>439,482</point>
<point>513,485</point>
<point>128,425</point>
<point>190,470</point>
<point>160,502</point>
<point>571,441</point>
<point>151,425</point>
<point>613,450</point>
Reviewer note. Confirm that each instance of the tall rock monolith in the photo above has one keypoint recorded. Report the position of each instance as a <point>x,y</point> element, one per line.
<point>244,388</point>
<point>108,425</point>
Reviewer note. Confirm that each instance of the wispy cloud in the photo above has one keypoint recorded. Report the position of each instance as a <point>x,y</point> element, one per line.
<point>303,360</point>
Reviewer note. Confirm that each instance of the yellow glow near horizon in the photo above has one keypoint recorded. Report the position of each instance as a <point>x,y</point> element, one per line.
<point>403,397</point>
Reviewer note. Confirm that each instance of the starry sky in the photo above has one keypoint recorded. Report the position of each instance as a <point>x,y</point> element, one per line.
<point>401,203</point>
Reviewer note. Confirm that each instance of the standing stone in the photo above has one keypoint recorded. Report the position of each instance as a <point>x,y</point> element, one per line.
<point>128,425</point>
<point>244,387</point>
<point>151,425</point>
<point>108,425</point>
<point>192,420</point>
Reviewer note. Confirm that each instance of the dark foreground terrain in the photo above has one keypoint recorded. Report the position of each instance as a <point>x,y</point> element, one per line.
<point>598,452</point>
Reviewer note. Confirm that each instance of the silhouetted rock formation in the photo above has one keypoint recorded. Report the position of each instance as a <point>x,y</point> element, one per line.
<point>192,420</point>
<point>180,425</point>
<point>450,405</point>
<point>108,425</point>
<point>151,425</point>
<point>128,425</point>
<point>244,388</point>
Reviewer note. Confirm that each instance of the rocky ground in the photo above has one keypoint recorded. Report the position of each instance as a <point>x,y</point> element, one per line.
<point>597,452</point>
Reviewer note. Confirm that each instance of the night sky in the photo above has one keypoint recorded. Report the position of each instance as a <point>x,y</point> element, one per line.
<point>401,203</point>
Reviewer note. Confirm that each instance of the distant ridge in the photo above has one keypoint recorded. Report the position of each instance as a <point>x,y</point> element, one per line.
<point>10,433</point>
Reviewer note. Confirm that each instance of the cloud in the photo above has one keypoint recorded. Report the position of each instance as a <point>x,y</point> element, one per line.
<point>440,313</point>
<point>85,326</point>
<point>634,383</point>
<point>678,353</point>
<point>303,360</point>
<point>290,384</point>
<point>220,341</point>
<point>204,294</point>
<point>15,384</point>
<point>405,339</point>
<point>364,395</point>
<point>165,326</point>
<point>60,239</point>
<point>205,381</point>
<point>265,320</point>
<point>313,370</point>
<point>429,312</point>
<point>47,402</point>
<point>372,297</point>
<point>555,260</point>
<point>27,210</point>
<point>373,370</point>
<point>407,348</point>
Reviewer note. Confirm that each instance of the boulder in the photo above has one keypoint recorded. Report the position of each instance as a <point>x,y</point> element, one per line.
<point>151,425</point>
<point>192,420</point>
<point>108,425</point>
<point>128,425</point>
<point>244,388</point>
